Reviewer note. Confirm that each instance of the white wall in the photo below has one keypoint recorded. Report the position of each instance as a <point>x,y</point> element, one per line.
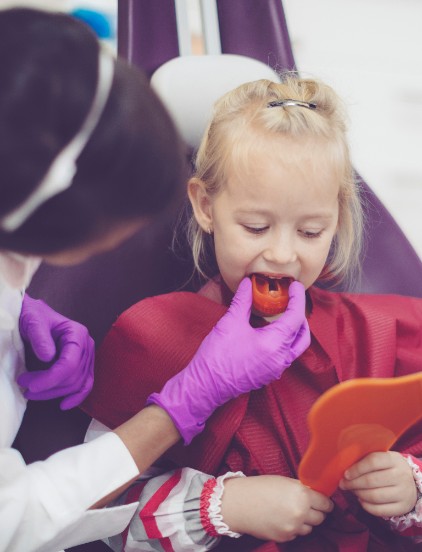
<point>371,52</point>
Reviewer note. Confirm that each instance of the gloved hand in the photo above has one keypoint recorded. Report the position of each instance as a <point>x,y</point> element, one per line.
<point>233,359</point>
<point>51,334</point>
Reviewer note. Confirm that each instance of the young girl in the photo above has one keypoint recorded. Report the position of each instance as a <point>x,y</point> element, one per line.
<point>274,195</point>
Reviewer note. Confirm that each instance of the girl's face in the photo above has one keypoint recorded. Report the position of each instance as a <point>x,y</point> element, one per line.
<point>275,218</point>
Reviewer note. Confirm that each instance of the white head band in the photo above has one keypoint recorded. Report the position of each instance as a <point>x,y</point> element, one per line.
<point>63,169</point>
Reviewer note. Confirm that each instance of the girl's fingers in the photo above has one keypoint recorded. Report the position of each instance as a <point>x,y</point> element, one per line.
<point>305,530</point>
<point>315,517</point>
<point>372,462</point>
<point>383,510</point>
<point>381,495</point>
<point>371,480</point>
<point>321,502</point>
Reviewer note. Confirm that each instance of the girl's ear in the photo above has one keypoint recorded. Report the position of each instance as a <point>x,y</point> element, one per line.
<point>201,203</point>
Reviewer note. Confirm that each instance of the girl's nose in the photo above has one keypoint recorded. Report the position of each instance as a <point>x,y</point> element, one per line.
<point>281,251</point>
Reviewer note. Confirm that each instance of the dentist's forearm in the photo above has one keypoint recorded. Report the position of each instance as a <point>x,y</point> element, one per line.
<point>147,435</point>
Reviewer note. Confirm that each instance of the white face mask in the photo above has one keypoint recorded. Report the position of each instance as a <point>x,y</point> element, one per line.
<point>63,169</point>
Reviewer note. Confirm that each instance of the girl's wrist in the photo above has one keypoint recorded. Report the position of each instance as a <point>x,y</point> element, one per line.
<point>414,517</point>
<point>211,506</point>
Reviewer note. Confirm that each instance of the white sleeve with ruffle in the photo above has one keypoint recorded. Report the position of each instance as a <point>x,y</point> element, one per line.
<point>177,510</point>
<point>410,524</point>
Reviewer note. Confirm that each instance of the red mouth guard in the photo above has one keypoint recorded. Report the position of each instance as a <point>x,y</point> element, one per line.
<point>270,295</point>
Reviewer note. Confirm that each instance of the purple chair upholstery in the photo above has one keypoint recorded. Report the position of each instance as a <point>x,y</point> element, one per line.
<point>390,264</point>
<point>147,32</point>
<point>257,30</point>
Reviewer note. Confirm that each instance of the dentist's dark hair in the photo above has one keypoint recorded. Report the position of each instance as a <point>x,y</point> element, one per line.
<point>132,167</point>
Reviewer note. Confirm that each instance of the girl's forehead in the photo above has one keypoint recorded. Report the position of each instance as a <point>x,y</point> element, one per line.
<point>285,165</point>
<point>288,184</point>
<point>254,152</point>
<point>274,194</point>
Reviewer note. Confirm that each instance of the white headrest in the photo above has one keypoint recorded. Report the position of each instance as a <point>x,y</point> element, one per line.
<point>190,85</point>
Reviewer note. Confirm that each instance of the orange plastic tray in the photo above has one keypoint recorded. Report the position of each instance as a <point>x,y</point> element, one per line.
<point>353,419</point>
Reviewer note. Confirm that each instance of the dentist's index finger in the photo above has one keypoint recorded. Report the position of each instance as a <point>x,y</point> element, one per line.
<point>242,300</point>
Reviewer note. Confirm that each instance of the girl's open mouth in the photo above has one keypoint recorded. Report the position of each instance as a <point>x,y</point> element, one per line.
<point>270,295</point>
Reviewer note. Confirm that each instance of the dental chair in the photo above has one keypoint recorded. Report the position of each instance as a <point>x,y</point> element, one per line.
<point>257,30</point>
<point>153,35</point>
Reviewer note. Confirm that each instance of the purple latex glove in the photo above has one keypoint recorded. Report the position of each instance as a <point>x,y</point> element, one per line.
<point>51,334</point>
<point>233,359</point>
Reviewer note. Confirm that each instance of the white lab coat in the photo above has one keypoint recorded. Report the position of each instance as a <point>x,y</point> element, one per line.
<point>44,505</point>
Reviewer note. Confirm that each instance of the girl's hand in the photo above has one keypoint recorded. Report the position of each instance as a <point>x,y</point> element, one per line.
<point>272,507</point>
<point>383,483</point>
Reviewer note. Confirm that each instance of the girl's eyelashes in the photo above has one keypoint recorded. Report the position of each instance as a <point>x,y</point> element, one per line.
<point>255,229</point>
<point>308,234</point>
<point>311,234</point>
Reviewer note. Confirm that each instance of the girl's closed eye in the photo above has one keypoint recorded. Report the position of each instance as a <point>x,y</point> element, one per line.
<point>255,229</point>
<point>311,233</point>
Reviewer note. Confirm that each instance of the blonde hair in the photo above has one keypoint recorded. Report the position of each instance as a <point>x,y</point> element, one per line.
<point>242,114</point>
